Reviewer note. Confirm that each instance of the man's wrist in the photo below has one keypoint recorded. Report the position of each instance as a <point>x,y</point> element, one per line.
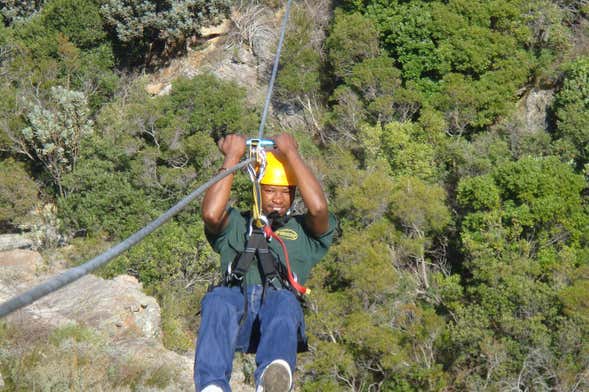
<point>230,162</point>
<point>292,155</point>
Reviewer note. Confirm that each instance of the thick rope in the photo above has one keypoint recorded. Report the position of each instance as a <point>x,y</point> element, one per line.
<point>274,70</point>
<point>76,273</point>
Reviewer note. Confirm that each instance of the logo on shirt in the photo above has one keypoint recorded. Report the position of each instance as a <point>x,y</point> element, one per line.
<point>287,234</point>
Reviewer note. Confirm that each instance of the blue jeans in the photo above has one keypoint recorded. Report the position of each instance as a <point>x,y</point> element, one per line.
<point>273,327</point>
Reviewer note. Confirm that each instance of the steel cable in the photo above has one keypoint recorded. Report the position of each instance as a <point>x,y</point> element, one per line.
<point>76,273</point>
<point>274,70</point>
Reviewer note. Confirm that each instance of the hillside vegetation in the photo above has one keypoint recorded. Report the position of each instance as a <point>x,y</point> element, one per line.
<point>462,261</point>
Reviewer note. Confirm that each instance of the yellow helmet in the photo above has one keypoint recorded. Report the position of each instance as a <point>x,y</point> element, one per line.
<point>277,173</point>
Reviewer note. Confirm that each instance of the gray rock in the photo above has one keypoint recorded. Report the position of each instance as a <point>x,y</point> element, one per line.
<point>17,267</point>
<point>536,106</point>
<point>117,311</point>
<point>14,241</point>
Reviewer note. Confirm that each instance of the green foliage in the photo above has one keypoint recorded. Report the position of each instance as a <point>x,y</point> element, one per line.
<point>378,82</point>
<point>299,74</point>
<point>174,254</point>
<point>79,21</point>
<point>572,108</point>
<point>407,33</point>
<point>206,104</point>
<point>366,195</point>
<point>167,144</point>
<point>465,60</point>
<point>365,325</point>
<point>574,298</point>
<point>63,45</point>
<point>478,193</point>
<point>302,70</point>
<point>14,11</point>
<point>410,150</point>
<point>461,158</point>
<point>54,133</point>
<point>521,225</point>
<point>352,39</point>
<point>19,193</point>
<point>102,201</point>
<point>148,28</point>
<point>420,207</point>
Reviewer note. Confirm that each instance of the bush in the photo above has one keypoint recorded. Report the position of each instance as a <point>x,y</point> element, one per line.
<point>19,193</point>
<point>102,201</point>
<point>572,109</point>
<point>159,27</point>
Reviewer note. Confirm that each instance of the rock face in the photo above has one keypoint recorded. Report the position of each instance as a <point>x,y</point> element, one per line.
<point>124,321</point>
<point>14,241</point>
<point>536,105</point>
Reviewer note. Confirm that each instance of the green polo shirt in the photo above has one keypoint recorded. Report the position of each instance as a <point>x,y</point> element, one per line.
<point>304,250</point>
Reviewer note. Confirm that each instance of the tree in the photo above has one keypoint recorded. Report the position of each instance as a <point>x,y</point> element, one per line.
<point>55,132</point>
<point>379,83</point>
<point>352,39</point>
<point>19,193</point>
<point>101,201</point>
<point>298,85</point>
<point>19,10</point>
<point>421,212</point>
<point>572,109</point>
<point>159,27</point>
<point>523,234</point>
<point>411,150</point>
<point>80,21</point>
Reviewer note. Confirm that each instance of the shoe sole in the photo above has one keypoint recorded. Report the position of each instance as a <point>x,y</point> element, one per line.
<point>276,379</point>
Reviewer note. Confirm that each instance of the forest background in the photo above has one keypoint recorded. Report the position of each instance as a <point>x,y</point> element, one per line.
<point>462,261</point>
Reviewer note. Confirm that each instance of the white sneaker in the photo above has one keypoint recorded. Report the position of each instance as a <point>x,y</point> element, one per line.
<point>212,388</point>
<point>276,377</point>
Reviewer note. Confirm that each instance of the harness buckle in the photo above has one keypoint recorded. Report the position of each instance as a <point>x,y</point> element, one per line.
<point>260,223</point>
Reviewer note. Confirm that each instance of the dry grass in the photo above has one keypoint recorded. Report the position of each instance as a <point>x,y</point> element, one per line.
<point>73,358</point>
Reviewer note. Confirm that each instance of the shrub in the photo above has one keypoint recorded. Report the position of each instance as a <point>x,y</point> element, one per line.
<point>19,193</point>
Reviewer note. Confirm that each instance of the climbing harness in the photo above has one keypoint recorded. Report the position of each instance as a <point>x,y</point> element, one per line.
<point>273,273</point>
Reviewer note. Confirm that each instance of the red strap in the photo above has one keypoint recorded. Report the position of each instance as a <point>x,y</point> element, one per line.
<point>299,288</point>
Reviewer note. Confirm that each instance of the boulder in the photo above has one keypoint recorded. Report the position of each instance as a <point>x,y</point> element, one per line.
<point>14,241</point>
<point>126,320</point>
<point>535,110</point>
<point>116,310</point>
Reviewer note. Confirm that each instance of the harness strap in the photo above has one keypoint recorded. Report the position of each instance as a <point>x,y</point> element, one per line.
<point>256,245</point>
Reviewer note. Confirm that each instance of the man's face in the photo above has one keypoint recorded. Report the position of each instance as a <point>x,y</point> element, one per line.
<point>276,198</point>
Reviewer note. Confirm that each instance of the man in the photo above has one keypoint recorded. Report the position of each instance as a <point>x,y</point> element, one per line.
<point>258,316</point>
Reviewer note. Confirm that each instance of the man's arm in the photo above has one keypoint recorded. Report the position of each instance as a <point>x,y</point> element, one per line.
<point>214,204</point>
<point>317,218</point>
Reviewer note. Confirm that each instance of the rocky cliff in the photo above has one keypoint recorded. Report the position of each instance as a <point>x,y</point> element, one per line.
<point>92,335</point>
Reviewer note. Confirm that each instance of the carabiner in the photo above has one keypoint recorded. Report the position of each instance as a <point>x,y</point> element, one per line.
<point>265,143</point>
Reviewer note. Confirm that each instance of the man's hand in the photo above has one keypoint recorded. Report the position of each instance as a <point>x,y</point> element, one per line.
<point>232,147</point>
<point>317,217</point>
<point>215,200</point>
<point>286,145</point>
